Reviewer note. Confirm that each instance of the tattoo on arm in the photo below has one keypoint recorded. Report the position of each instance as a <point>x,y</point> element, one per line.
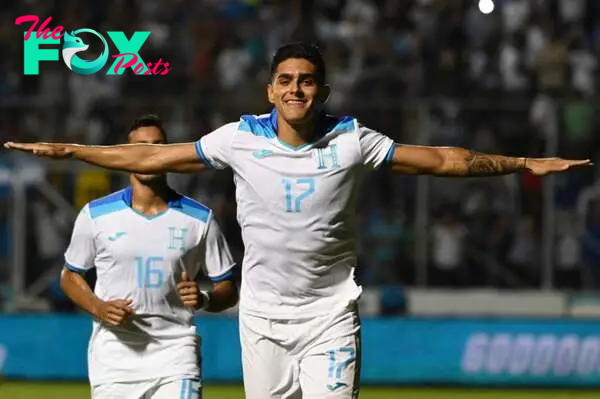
<point>479,164</point>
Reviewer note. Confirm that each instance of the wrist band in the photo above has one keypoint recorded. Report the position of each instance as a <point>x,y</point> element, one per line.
<point>205,300</point>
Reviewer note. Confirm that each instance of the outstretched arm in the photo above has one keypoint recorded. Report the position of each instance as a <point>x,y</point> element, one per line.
<point>134,158</point>
<point>454,161</point>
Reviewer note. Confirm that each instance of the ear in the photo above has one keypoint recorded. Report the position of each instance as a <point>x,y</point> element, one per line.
<point>323,95</point>
<point>270,94</point>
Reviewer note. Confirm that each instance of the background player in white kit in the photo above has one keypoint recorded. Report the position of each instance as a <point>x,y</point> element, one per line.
<point>297,173</point>
<point>143,240</point>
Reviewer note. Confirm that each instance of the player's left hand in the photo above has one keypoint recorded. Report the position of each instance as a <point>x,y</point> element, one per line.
<point>544,166</point>
<point>189,292</point>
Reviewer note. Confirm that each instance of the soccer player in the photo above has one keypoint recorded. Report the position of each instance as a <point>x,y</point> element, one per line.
<point>297,173</point>
<point>148,245</point>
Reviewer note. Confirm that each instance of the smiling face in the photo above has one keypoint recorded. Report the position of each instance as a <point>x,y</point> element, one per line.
<point>295,91</point>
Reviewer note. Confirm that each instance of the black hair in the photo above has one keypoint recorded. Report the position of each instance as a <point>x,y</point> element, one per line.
<point>307,51</point>
<point>149,120</point>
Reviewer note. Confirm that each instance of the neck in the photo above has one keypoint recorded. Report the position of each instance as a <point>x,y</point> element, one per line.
<point>295,134</point>
<point>150,198</point>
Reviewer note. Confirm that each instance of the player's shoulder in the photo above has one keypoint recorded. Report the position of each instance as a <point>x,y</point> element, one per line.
<point>334,124</point>
<point>194,209</point>
<point>106,205</point>
<point>263,125</point>
<point>257,125</point>
<point>228,128</point>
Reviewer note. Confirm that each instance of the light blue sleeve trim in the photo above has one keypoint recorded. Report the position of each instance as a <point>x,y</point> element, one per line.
<point>194,209</point>
<point>390,154</point>
<point>107,208</point>
<point>75,269</point>
<point>202,155</point>
<point>228,275</point>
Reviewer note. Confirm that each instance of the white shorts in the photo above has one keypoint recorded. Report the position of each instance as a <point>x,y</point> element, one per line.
<point>162,388</point>
<point>309,359</point>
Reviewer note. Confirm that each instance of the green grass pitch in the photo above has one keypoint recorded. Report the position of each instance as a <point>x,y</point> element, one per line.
<point>29,390</point>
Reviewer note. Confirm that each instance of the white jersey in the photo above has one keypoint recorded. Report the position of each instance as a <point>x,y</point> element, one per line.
<point>297,210</point>
<point>141,258</point>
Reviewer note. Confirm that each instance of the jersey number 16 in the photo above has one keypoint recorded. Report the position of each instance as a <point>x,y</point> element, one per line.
<point>149,274</point>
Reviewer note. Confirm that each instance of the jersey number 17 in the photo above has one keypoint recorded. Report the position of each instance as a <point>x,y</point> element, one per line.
<point>296,191</point>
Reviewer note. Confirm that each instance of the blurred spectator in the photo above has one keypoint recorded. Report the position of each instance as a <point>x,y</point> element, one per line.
<point>382,251</point>
<point>5,236</point>
<point>568,263</point>
<point>524,253</point>
<point>543,116</point>
<point>448,244</point>
<point>579,119</point>
<point>551,64</point>
<point>233,63</point>
<point>511,64</point>
<point>51,226</point>
<point>571,11</point>
<point>514,15</point>
<point>583,64</point>
<point>535,40</point>
<point>591,244</point>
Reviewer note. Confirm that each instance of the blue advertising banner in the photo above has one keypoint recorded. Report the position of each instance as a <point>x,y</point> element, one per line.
<point>482,352</point>
<point>55,347</point>
<point>395,351</point>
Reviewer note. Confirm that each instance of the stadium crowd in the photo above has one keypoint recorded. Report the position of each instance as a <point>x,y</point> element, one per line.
<point>516,81</point>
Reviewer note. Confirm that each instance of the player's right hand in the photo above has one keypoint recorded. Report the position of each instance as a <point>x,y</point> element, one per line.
<point>50,150</point>
<point>114,312</point>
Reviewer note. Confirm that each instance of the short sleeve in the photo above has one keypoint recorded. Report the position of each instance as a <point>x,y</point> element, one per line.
<point>217,263</point>
<point>214,149</point>
<point>81,252</point>
<point>376,148</point>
